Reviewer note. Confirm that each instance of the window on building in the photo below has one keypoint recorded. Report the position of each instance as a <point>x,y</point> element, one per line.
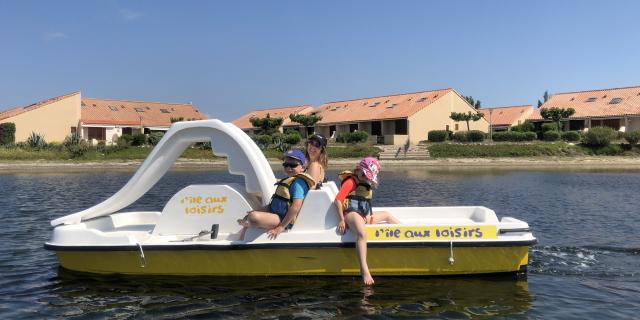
<point>591,99</point>
<point>456,127</point>
<point>164,111</point>
<point>332,129</point>
<point>99,134</point>
<point>615,101</point>
<point>353,127</point>
<point>138,109</point>
<point>392,106</point>
<point>128,131</point>
<point>113,108</point>
<point>423,99</point>
<point>83,104</point>
<point>401,126</point>
<point>446,127</point>
<point>575,125</point>
<point>376,128</point>
<point>73,130</point>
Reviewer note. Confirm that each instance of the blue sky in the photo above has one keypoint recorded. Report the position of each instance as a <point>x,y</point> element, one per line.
<point>232,57</point>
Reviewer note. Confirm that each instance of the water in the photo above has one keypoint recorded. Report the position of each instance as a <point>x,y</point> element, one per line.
<point>585,265</point>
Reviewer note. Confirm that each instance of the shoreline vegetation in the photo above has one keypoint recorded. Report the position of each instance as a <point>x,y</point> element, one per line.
<point>524,163</point>
<point>494,155</point>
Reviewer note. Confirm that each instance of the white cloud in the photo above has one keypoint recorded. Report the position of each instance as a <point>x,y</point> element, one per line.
<point>128,14</point>
<point>55,35</point>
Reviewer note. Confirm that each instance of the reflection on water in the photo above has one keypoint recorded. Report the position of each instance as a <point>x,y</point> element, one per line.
<point>585,266</point>
<point>308,297</point>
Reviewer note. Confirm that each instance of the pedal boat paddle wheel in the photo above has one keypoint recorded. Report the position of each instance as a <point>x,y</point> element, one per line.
<point>196,233</point>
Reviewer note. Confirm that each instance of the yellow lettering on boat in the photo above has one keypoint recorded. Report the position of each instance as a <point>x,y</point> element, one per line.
<point>420,233</point>
<point>203,205</point>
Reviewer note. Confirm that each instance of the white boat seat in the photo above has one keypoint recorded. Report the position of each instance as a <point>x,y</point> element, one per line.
<point>318,211</point>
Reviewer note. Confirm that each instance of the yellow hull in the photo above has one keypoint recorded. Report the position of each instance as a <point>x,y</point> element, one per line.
<point>300,261</point>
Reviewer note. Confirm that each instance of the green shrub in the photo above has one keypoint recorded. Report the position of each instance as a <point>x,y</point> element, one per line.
<point>461,136</point>
<point>7,133</point>
<point>571,136</point>
<point>632,137</point>
<point>36,141</point>
<point>292,138</point>
<point>526,126</point>
<point>445,150</point>
<point>139,139</point>
<point>551,135</point>
<point>530,136</point>
<point>359,136</point>
<point>514,136</point>
<point>353,137</point>
<point>607,150</point>
<point>549,127</point>
<point>353,151</point>
<point>72,139</point>
<point>205,145</point>
<point>438,135</point>
<point>263,140</point>
<point>78,150</point>
<point>125,140</point>
<point>155,137</point>
<point>502,136</point>
<point>598,136</point>
<point>476,136</point>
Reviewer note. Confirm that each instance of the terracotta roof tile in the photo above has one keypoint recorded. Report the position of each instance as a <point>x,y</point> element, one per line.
<point>506,116</point>
<point>124,112</point>
<point>19,110</point>
<point>244,123</point>
<point>596,103</point>
<point>378,108</point>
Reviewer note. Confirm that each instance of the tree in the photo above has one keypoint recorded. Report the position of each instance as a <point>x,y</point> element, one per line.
<point>466,117</point>
<point>556,114</point>
<point>266,125</point>
<point>474,103</point>
<point>545,96</point>
<point>305,120</point>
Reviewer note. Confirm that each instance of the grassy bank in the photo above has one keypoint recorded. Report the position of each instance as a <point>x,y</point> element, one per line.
<point>534,149</point>
<point>57,153</point>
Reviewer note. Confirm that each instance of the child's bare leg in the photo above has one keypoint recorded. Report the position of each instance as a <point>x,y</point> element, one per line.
<point>356,223</point>
<point>379,216</point>
<point>258,219</point>
<point>263,220</point>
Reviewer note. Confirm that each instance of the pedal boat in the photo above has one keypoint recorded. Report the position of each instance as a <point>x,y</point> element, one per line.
<point>196,233</point>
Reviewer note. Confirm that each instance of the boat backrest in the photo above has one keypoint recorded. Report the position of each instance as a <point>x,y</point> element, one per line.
<point>198,207</point>
<point>318,211</point>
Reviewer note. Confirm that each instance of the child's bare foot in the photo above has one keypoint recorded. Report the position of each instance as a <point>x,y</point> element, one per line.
<point>243,222</point>
<point>367,279</point>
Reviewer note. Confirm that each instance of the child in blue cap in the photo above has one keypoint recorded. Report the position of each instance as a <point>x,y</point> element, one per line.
<point>287,200</point>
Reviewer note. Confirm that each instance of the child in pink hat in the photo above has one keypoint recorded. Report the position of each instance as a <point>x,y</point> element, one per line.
<point>353,203</point>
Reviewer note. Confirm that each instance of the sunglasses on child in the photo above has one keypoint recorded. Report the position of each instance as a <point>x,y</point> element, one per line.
<point>290,164</point>
<point>314,143</point>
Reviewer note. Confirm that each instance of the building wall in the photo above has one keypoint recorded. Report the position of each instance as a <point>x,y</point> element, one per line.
<point>634,124</point>
<point>436,117</point>
<point>52,121</point>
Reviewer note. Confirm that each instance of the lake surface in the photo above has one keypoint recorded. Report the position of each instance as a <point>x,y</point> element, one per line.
<point>586,264</point>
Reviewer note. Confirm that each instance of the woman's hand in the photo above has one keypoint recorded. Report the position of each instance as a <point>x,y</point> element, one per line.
<point>342,227</point>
